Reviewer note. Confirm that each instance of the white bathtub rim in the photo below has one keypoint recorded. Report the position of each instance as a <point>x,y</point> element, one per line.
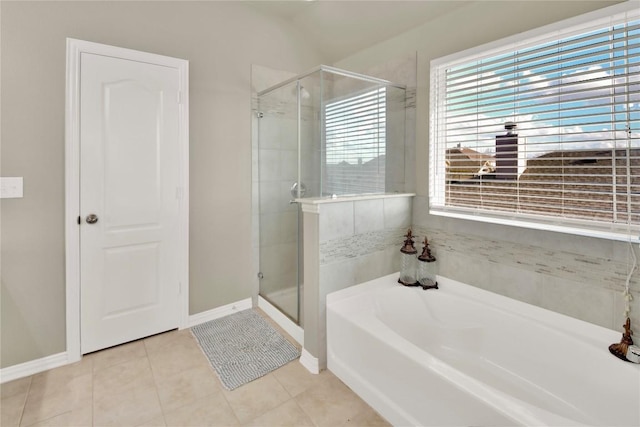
<point>503,403</point>
<point>509,406</point>
<point>583,335</point>
<point>590,333</point>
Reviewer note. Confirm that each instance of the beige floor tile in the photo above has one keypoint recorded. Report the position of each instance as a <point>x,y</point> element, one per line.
<point>119,354</point>
<point>13,399</point>
<point>367,418</point>
<point>80,417</point>
<point>331,403</point>
<point>46,402</point>
<point>82,367</point>
<point>115,379</point>
<point>165,380</point>
<point>209,411</point>
<point>256,398</point>
<point>295,378</point>
<point>11,409</point>
<point>132,406</point>
<point>187,386</point>
<point>162,342</point>
<point>52,381</point>
<point>156,342</point>
<point>156,422</point>
<point>287,414</point>
<point>182,354</point>
<point>11,388</point>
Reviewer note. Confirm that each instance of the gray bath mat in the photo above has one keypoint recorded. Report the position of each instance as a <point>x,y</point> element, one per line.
<point>242,347</point>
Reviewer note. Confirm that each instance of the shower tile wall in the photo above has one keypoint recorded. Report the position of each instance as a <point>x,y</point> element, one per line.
<point>580,277</point>
<point>357,241</point>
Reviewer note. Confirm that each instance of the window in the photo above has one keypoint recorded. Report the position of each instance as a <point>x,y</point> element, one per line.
<point>542,130</point>
<point>355,131</point>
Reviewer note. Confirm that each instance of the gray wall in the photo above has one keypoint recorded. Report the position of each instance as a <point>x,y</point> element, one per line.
<point>220,41</point>
<point>578,276</point>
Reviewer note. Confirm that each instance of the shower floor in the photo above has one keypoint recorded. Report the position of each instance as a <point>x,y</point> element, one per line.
<point>286,300</point>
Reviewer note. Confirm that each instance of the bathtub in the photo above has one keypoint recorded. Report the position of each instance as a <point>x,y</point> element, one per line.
<point>462,356</point>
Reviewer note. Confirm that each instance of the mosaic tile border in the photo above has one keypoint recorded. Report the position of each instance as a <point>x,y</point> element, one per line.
<point>357,245</point>
<point>594,271</point>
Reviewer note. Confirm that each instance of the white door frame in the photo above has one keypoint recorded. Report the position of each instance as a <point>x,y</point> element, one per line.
<point>72,178</point>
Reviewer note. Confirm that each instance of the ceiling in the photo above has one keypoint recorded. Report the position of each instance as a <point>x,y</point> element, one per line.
<point>339,28</point>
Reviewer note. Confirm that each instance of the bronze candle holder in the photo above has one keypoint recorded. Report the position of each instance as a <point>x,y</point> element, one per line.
<point>620,350</point>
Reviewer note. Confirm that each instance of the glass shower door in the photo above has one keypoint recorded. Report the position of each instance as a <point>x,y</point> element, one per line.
<point>279,217</point>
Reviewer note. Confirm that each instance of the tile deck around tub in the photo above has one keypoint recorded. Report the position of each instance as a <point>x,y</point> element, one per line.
<point>165,380</point>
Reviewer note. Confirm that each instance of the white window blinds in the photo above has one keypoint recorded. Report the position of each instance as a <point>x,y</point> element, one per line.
<point>542,130</point>
<point>355,136</point>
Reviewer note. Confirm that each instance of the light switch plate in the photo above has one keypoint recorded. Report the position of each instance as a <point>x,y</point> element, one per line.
<point>10,187</point>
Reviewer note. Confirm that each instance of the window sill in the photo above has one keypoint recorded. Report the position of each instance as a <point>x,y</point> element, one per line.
<point>581,228</point>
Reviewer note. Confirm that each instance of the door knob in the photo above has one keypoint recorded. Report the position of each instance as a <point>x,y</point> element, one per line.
<point>91,218</point>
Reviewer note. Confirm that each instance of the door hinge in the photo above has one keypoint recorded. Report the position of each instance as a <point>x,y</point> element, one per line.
<point>79,220</point>
<point>179,97</point>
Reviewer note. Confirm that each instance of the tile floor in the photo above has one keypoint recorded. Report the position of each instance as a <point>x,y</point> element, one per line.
<point>165,380</point>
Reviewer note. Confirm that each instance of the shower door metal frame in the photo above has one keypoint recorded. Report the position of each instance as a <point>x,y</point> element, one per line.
<point>332,70</point>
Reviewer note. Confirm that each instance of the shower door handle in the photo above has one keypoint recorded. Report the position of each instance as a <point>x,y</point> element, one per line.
<point>294,190</point>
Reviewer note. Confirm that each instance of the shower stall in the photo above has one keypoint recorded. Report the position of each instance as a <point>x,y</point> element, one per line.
<point>324,133</point>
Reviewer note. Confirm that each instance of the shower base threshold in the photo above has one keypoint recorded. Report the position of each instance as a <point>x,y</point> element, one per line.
<point>290,327</point>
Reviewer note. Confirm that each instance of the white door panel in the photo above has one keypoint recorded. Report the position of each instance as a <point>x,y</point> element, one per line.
<point>132,121</point>
<point>129,151</point>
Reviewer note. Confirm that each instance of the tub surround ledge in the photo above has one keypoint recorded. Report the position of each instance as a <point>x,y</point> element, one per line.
<point>305,201</point>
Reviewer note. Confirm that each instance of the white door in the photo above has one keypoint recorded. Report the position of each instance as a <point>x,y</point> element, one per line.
<point>129,200</point>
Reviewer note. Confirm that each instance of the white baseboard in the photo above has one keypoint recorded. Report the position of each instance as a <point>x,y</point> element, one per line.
<point>308,361</point>
<point>218,312</point>
<point>296,332</point>
<point>32,367</point>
